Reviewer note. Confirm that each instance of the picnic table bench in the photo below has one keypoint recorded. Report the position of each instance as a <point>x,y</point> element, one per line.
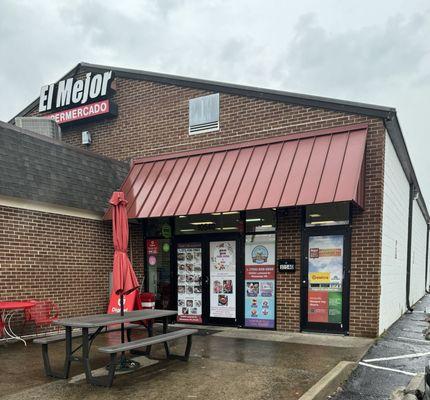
<point>92,325</point>
<point>147,342</point>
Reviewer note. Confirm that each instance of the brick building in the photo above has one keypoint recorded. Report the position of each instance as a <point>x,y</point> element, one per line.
<point>249,207</point>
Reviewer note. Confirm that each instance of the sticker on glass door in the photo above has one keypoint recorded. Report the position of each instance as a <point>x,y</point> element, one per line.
<point>260,281</point>
<point>222,279</point>
<point>189,282</point>
<point>325,279</point>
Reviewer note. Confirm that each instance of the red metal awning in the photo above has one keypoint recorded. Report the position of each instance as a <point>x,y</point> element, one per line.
<point>300,169</point>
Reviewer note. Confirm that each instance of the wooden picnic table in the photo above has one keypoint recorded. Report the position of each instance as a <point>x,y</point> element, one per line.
<point>91,326</point>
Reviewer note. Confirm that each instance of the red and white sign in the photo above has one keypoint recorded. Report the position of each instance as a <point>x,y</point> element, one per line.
<point>152,247</point>
<point>131,302</point>
<point>81,112</point>
<point>260,272</point>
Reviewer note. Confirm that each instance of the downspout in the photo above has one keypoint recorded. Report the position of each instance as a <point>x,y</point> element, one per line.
<point>427,258</point>
<point>409,252</point>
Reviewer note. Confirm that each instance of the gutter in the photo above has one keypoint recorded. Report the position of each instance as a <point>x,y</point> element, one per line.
<point>427,259</point>
<point>409,252</point>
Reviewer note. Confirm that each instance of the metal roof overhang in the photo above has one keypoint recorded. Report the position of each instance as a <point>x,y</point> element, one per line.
<point>316,167</point>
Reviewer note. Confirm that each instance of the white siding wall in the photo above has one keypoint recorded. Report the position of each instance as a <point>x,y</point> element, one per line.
<point>394,240</point>
<point>418,253</point>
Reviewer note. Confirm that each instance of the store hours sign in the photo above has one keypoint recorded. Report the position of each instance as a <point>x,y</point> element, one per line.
<point>72,99</point>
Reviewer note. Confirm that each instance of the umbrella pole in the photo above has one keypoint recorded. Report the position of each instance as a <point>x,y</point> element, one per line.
<point>123,360</point>
<point>125,364</point>
<point>122,314</point>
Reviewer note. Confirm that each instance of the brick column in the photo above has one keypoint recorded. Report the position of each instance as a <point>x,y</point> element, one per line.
<point>288,284</point>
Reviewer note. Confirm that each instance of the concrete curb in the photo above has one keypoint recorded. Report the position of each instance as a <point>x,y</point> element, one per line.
<point>414,390</point>
<point>330,381</point>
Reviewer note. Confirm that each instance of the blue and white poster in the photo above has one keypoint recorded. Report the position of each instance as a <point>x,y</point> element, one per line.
<point>260,281</point>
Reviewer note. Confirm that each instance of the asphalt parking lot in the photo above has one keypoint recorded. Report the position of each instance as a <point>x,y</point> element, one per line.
<point>227,364</point>
<point>405,337</point>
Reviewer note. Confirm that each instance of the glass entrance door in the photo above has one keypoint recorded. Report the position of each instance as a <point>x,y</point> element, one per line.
<point>325,280</point>
<point>222,282</point>
<point>208,276</point>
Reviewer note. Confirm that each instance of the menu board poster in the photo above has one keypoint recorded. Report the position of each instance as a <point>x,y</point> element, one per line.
<point>260,281</point>
<point>222,279</point>
<point>189,257</point>
<point>325,279</point>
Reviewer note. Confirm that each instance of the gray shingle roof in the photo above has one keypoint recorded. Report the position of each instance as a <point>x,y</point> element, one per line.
<point>42,169</point>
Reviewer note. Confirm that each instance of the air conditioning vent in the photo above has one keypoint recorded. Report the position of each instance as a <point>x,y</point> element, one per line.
<point>202,128</point>
<point>204,114</point>
<point>42,126</point>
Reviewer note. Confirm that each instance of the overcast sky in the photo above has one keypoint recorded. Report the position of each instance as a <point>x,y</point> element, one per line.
<point>371,51</point>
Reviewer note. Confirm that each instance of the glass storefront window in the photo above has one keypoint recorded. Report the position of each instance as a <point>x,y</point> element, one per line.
<point>158,272</point>
<point>158,227</point>
<point>261,221</point>
<point>327,214</point>
<point>208,223</point>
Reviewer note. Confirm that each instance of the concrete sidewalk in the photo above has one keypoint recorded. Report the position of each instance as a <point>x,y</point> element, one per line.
<point>224,364</point>
<point>405,337</point>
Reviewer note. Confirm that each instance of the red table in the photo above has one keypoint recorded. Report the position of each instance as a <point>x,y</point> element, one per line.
<point>8,310</point>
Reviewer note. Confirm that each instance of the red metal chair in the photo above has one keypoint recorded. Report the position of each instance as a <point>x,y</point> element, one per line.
<point>147,302</point>
<point>43,313</point>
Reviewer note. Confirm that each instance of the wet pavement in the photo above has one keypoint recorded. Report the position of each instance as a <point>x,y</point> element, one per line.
<point>223,365</point>
<point>404,337</point>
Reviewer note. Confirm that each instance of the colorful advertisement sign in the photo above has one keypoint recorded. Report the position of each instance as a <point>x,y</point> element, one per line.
<point>222,279</point>
<point>260,281</point>
<point>189,283</point>
<point>325,279</point>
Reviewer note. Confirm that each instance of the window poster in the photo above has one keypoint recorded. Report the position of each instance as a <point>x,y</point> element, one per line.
<point>260,281</point>
<point>325,279</point>
<point>222,279</point>
<point>189,283</point>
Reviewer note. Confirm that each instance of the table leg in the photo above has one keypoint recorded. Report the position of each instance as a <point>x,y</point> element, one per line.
<point>150,328</point>
<point>101,380</point>
<point>7,318</point>
<point>67,359</point>
<point>3,325</point>
<point>86,354</point>
<point>165,326</point>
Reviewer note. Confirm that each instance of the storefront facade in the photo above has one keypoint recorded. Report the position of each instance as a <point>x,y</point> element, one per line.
<point>257,208</point>
<point>225,270</point>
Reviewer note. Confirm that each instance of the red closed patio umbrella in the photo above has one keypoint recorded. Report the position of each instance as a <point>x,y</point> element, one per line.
<point>124,277</point>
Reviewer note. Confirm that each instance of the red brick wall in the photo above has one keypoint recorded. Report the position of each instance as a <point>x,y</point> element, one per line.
<point>153,119</point>
<point>61,258</point>
<point>288,284</point>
